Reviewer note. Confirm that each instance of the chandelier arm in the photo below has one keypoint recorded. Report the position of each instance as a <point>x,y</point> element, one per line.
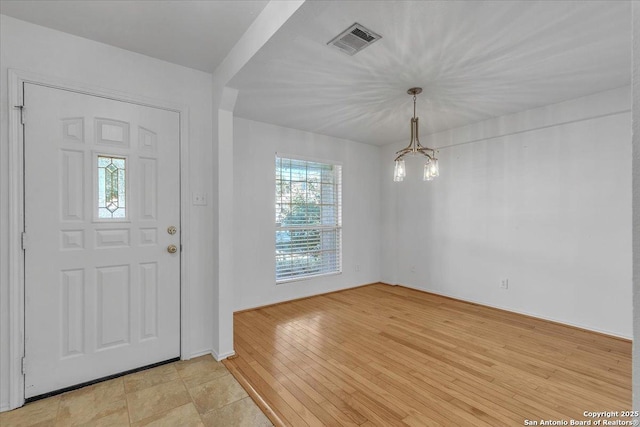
<point>422,148</point>
<point>402,153</point>
<point>413,123</point>
<point>416,126</point>
<point>426,155</point>
<point>404,150</point>
<point>421,151</point>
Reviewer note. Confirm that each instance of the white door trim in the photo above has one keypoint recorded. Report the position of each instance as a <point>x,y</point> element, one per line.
<point>16,212</point>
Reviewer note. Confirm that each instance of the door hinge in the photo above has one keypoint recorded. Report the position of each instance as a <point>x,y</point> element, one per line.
<point>24,366</point>
<point>24,241</point>
<point>22,113</point>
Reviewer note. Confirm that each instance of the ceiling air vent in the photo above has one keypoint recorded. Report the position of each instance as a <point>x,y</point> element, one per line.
<point>354,39</point>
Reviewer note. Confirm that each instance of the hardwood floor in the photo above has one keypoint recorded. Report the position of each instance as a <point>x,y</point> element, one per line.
<point>392,356</point>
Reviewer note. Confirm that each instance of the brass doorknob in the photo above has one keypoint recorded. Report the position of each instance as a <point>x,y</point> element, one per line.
<point>172,249</point>
<point>172,230</point>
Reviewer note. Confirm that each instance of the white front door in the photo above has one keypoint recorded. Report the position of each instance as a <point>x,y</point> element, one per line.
<point>102,290</point>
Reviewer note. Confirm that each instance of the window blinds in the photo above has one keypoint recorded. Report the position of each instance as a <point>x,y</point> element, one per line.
<point>308,219</point>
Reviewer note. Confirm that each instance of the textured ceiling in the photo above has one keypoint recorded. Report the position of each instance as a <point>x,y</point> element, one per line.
<point>196,34</point>
<point>474,59</point>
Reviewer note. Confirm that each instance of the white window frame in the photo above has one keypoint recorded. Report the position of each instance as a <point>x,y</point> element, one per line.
<point>337,227</point>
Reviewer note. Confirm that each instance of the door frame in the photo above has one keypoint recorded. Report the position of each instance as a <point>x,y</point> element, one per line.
<point>16,266</point>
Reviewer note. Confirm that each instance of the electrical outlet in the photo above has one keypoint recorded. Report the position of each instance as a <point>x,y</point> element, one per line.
<point>413,268</point>
<point>504,284</point>
<point>357,267</point>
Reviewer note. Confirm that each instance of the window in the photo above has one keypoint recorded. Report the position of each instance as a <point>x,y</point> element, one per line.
<point>308,219</point>
<point>111,187</point>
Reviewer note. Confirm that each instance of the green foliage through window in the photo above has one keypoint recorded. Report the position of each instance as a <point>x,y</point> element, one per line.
<point>308,218</point>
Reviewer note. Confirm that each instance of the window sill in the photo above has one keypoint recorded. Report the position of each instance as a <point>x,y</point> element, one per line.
<point>301,278</point>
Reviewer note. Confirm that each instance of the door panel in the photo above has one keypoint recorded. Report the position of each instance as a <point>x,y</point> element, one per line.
<point>102,293</point>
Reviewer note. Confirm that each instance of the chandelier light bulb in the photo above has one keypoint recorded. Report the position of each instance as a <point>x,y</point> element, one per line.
<point>434,169</point>
<point>426,176</point>
<point>399,171</point>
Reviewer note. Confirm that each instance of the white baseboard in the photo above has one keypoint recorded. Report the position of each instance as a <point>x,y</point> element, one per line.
<point>222,356</point>
<point>4,407</point>
<point>296,298</point>
<point>199,353</point>
<point>511,310</point>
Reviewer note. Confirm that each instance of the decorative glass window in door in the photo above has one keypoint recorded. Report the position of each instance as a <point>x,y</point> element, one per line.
<point>112,187</point>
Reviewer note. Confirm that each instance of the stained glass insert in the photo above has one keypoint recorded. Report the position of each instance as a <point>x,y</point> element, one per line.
<point>112,198</point>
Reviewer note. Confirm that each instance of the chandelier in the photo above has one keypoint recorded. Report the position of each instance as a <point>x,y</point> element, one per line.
<point>414,148</point>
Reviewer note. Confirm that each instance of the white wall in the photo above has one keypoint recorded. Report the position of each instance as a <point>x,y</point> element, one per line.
<point>636,206</point>
<point>255,146</point>
<point>547,205</point>
<point>48,52</point>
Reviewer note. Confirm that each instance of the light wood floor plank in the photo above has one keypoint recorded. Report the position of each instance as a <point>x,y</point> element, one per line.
<point>382,355</point>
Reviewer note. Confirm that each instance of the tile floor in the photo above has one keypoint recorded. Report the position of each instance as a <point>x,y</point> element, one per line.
<point>196,392</point>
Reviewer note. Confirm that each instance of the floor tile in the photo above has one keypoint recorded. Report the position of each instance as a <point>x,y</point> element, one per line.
<point>217,393</point>
<point>119,418</point>
<point>183,416</point>
<point>150,377</point>
<point>170,395</point>
<point>243,413</point>
<point>109,390</point>
<point>200,370</point>
<point>41,412</point>
<point>84,409</point>
<point>157,399</point>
